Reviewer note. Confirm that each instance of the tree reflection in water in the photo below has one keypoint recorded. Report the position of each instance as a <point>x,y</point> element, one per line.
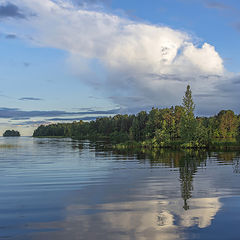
<point>187,161</point>
<point>112,211</point>
<point>188,168</point>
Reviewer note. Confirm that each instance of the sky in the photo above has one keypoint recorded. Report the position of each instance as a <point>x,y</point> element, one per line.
<point>66,60</point>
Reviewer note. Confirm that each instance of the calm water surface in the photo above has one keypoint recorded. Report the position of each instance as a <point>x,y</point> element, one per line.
<point>56,189</point>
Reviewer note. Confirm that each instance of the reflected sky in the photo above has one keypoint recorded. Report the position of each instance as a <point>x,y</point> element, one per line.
<point>65,189</point>
<point>133,220</point>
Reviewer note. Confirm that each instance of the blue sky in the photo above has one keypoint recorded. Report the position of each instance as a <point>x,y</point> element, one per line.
<point>63,60</point>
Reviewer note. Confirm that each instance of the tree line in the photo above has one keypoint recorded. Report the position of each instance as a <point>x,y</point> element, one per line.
<point>166,127</point>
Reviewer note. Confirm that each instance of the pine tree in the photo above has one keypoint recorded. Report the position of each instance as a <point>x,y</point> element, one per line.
<point>188,103</point>
<point>188,121</point>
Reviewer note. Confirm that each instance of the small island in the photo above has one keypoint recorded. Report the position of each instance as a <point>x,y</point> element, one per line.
<point>11,133</point>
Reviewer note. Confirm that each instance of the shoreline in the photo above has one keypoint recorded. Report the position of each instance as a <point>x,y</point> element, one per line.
<point>177,145</point>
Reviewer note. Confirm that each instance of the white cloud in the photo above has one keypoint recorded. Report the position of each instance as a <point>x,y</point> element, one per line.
<point>136,60</point>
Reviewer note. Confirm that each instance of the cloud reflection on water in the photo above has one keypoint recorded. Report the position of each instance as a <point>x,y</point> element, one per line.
<point>163,219</point>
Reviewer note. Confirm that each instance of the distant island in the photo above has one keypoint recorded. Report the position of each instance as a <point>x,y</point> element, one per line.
<point>11,133</point>
<point>174,127</point>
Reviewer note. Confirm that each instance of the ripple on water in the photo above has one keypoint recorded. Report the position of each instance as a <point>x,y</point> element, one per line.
<point>68,189</point>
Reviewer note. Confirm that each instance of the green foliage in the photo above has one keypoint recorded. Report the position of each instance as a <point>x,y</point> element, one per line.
<point>199,139</point>
<point>201,135</point>
<point>188,103</point>
<point>228,124</point>
<point>188,122</point>
<point>162,136</point>
<point>11,133</point>
<point>138,128</point>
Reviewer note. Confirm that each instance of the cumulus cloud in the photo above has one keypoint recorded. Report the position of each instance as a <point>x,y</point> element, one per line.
<point>127,59</point>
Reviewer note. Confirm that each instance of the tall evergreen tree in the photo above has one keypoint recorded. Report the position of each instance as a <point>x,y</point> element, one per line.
<point>188,121</point>
<point>188,103</point>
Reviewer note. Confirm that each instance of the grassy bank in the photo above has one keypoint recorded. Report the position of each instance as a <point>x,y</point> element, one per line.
<point>215,145</point>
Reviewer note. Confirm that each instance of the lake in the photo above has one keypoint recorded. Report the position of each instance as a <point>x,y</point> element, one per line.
<point>56,189</point>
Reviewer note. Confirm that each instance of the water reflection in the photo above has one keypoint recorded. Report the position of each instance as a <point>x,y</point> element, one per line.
<point>187,161</point>
<point>166,218</point>
<point>133,220</point>
<point>65,189</point>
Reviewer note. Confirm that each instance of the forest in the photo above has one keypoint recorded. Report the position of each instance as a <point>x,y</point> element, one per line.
<point>174,127</point>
